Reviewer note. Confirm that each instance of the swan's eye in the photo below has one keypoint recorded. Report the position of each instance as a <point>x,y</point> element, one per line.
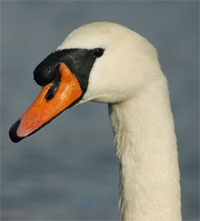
<point>98,52</point>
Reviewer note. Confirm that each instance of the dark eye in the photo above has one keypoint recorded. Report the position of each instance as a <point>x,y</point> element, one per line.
<point>98,52</point>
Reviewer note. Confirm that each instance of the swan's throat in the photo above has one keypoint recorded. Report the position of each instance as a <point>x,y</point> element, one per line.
<point>147,152</point>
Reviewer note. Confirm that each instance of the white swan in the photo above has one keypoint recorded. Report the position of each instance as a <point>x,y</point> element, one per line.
<point>106,62</point>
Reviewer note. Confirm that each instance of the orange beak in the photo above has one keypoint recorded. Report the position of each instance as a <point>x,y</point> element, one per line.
<point>43,110</point>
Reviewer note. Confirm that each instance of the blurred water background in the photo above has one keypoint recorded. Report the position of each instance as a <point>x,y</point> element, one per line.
<point>68,170</point>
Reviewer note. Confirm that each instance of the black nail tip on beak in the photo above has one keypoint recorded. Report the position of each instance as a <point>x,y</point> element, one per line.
<point>13,132</point>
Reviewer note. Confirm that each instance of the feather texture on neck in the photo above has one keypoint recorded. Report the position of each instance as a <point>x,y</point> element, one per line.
<point>147,152</point>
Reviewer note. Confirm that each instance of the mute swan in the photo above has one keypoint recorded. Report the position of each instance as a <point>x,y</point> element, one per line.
<point>107,62</point>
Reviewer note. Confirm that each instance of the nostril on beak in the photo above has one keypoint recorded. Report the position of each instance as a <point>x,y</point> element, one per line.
<point>53,88</point>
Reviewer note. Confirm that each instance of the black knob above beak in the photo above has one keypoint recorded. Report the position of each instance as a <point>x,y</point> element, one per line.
<point>47,70</point>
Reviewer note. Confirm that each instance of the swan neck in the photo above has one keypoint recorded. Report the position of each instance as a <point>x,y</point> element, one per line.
<point>146,147</point>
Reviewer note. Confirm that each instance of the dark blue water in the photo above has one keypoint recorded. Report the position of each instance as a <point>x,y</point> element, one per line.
<point>68,170</point>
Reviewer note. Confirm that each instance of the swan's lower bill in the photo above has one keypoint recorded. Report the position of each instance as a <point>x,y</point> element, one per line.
<point>46,107</point>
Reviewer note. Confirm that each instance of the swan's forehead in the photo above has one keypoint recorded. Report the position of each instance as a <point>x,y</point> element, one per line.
<point>99,34</point>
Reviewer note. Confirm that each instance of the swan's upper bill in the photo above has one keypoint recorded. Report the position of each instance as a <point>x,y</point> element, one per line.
<point>103,62</point>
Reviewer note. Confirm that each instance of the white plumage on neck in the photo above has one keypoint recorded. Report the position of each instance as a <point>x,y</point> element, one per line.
<point>146,147</point>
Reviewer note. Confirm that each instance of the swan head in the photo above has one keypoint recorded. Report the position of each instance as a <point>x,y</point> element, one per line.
<point>126,64</point>
<point>102,62</point>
